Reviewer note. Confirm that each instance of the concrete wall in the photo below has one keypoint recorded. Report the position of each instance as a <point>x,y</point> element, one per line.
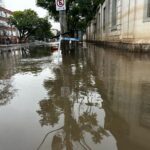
<point>132,25</point>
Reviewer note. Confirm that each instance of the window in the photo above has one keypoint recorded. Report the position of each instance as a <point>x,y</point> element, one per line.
<point>1,32</point>
<point>14,33</point>
<point>104,18</point>
<point>1,13</point>
<point>114,13</point>
<point>148,8</point>
<point>99,22</point>
<point>5,14</point>
<point>2,23</point>
<point>147,11</point>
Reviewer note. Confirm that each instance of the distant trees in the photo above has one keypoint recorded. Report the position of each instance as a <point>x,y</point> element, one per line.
<point>43,30</point>
<point>29,24</point>
<point>79,12</point>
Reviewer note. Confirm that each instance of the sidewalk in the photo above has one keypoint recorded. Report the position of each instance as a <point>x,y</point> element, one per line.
<point>11,47</point>
<point>5,47</point>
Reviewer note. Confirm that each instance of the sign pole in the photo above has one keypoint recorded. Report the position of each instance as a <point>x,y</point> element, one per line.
<point>63,22</point>
<point>61,7</point>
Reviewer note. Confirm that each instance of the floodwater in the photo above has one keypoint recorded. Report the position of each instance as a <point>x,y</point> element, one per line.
<point>89,99</point>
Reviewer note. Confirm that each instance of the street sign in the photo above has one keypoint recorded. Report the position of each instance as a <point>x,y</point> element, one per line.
<point>60,5</point>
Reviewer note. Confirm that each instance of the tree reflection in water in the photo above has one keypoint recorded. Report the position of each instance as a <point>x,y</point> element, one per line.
<point>6,92</point>
<point>78,109</point>
<point>7,70</point>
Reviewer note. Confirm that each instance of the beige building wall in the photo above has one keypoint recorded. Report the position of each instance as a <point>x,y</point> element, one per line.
<point>132,22</point>
<point>128,20</point>
<point>142,23</point>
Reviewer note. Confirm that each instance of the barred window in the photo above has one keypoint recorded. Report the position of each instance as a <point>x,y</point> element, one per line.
<point>114,12</point>
<point>148,8</point>
<point>147,11</point>
<point>104,18</point>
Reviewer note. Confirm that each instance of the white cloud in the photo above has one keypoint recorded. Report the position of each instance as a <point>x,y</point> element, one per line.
<point>24,4</point>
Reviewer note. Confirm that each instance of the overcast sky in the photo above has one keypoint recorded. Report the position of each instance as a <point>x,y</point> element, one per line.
<point>14,5</point>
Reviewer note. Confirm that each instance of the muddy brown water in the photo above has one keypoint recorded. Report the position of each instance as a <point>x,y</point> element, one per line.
<point>88,99</point>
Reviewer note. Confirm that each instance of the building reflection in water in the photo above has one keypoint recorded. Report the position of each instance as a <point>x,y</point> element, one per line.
<point>76,119</point>
<point>8,63</point>
<point>96,99</point>
<point>126,92</point>
<point>13,62</point>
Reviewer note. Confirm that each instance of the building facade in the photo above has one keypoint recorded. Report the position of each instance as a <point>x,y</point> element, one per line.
<point>8,33</point>
<point>122,21</point>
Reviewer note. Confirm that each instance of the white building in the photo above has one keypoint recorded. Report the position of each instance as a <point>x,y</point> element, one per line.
<point>121,21</point>
<point>8,33</point>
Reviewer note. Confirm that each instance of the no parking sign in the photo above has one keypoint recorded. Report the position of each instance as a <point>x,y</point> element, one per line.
<point>60,5</point>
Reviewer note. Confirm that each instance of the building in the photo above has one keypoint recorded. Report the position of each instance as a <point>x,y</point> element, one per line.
<point>124,23</point>
<point>8,33</point>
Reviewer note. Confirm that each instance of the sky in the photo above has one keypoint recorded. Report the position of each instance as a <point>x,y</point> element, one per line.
<point>14,5</point>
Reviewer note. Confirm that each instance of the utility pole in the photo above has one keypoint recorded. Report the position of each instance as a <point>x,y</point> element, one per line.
<point>61,7</point>
<point>63,22</point>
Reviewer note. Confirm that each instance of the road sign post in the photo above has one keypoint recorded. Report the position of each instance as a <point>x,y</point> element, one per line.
<point>61,7</point>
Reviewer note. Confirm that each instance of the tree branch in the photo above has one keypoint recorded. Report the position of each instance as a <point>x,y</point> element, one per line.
<point>47,136</point>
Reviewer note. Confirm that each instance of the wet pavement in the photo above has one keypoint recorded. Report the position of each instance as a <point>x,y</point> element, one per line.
<point>88,99</point>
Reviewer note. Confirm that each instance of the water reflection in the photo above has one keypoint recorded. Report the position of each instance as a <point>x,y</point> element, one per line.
<point>19,61</point>
<point>126,84</point>
<point>8,63</point>
<point>79,116</point>
<point>36,52</point>
<point>91,98</point>
<point>6,92</point>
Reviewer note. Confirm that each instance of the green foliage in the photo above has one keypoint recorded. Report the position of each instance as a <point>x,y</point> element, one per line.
<point>79,12</point>
<point>29,24</point>
<point>43,30</point>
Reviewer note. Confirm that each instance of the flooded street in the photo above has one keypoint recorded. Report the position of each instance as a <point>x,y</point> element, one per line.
<point>89,99</point>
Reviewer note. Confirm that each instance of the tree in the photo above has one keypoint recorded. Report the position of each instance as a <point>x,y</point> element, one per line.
<point>25,21</point>
<point>28,23</point>
<point>43,31</point>
<point>79,12</point>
